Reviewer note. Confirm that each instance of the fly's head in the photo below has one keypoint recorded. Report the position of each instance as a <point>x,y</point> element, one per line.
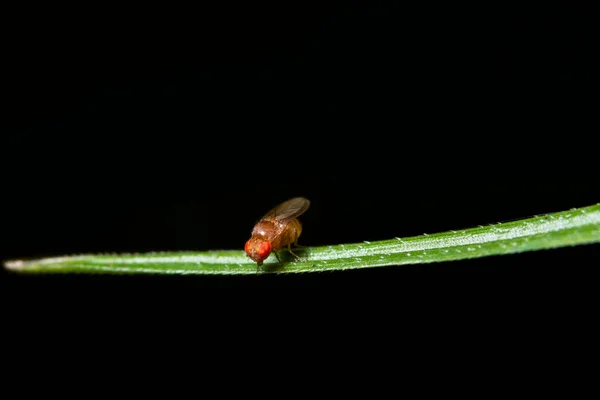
<point>258,250</point>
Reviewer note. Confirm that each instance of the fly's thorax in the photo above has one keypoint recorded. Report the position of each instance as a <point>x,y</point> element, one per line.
<point>265,229</point>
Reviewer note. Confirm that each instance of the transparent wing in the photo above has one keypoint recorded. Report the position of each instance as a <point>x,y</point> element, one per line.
<point>289,209</point>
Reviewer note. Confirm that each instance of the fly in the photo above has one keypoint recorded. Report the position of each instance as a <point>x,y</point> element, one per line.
<point>278,228</point>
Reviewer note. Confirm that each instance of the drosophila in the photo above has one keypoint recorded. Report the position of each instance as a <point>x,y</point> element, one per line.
<point>277,229</point>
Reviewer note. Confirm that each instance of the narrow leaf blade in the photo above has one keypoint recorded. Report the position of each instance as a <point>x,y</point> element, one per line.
<point>567,228</point>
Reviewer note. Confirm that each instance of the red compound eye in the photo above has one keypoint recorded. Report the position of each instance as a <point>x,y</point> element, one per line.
<point>247,247</point>
<point>264,250</point>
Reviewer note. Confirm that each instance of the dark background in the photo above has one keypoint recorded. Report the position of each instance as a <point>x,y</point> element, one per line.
<point>133,130</point>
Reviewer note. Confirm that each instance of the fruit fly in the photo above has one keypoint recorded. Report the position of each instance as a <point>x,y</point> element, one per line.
<point>277,229</point>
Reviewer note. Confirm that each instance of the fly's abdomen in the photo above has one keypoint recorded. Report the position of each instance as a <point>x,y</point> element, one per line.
<point>293,229</point>
<point>280,236</point>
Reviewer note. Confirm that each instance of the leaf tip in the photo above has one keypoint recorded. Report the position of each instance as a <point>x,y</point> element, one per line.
<point>14,265</point>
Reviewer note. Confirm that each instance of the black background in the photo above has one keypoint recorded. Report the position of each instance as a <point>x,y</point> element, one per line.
<point>133,130</point>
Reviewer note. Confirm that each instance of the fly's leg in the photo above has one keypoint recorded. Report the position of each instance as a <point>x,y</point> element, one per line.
<point>290,250</point>
<point>277,256</point>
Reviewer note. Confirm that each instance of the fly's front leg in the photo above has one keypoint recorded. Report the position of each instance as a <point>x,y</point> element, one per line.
<point>277,256</point>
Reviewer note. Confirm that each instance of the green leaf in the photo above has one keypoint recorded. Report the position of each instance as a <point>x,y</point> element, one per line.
<point>567,228</point>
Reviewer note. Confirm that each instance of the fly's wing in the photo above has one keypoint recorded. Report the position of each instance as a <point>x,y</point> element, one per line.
<point>289,209</point>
